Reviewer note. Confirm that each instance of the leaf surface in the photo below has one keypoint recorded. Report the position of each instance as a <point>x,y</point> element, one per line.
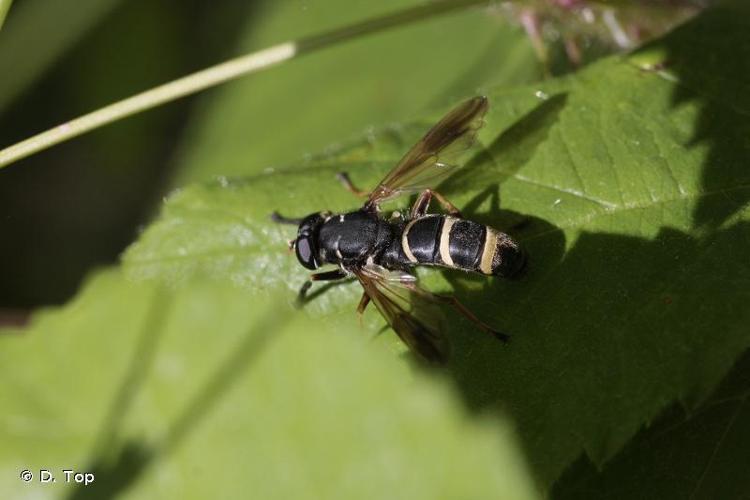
<point>634,298</point>
<point>208,391</point>
<point>698,454</point>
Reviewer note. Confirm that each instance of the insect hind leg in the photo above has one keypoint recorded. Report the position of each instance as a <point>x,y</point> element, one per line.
<point>422,204</point>
<point>464,311</point>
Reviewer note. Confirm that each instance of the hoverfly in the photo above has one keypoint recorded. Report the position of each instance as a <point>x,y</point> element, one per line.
<point>380,252</point>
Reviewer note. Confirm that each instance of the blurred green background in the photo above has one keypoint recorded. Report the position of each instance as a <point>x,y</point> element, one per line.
<point>78,205</point>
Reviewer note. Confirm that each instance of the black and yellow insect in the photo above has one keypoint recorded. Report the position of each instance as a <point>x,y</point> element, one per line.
<point>381,252</point>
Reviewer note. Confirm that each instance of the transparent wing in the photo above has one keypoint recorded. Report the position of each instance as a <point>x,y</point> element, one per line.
<point>429,161</point>
<point>417,321</point>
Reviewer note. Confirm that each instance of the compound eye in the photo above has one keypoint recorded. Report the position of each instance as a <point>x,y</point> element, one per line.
<point>305,253</point>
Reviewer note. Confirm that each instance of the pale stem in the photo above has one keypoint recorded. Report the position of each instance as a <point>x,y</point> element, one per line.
<point>221,73</point>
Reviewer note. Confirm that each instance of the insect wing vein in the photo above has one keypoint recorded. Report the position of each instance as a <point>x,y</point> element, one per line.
<point>415,320</point>
<point>428,161</point>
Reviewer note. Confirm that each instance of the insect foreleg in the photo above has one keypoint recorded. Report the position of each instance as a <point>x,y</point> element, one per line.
<point>422,204</point>
<point>344,179</point>
<point>338,274</point>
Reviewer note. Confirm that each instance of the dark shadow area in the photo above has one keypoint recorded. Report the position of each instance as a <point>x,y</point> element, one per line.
<point>508,221</point>
<point>698,454</point>
<point>608,330</point>
<point>601,335</point>
<point>709,57</point>
<point>79,204</point>
<point>117,473</point>
<point>117,465</point>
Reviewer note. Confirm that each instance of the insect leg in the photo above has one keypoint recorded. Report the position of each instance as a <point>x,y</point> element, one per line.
<point>280,219</point>
<point>447,205</point>
<point>466,312</point>
<point>362,306</point>
<point>423,203</point>
<point>326,276</point>
<point>344,179</point>
<point>463,310</point>
<point>363,303</point>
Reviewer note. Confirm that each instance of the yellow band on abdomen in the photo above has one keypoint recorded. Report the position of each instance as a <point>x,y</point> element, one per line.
<point>445,240</point>
<point>405,242</point>
<point>488,252</point>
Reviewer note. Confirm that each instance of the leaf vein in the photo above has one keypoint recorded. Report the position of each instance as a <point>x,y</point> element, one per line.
<point>719,444</point>
<point>637,206</point>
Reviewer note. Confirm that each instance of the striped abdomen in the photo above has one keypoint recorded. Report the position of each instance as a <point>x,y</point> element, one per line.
<point>461,244</point>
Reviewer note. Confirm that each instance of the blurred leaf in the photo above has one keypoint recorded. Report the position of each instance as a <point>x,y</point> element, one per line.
<point>85,199</point>
<point>275,117</point>
<point>630,303</point>
<point>699,454</point>
<point>4,8</point>
<point>25,55</point>
<point>570,34</point>
<point>210,392</point>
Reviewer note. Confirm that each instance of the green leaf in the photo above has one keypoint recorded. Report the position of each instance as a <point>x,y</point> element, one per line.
<point>276,117</point>
<point>630,199</point>
<point>714,77</point>
<point>699,454</point>
<point>208,391</point>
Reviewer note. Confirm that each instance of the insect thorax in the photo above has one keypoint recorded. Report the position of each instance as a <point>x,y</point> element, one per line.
<point>353,237</point>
